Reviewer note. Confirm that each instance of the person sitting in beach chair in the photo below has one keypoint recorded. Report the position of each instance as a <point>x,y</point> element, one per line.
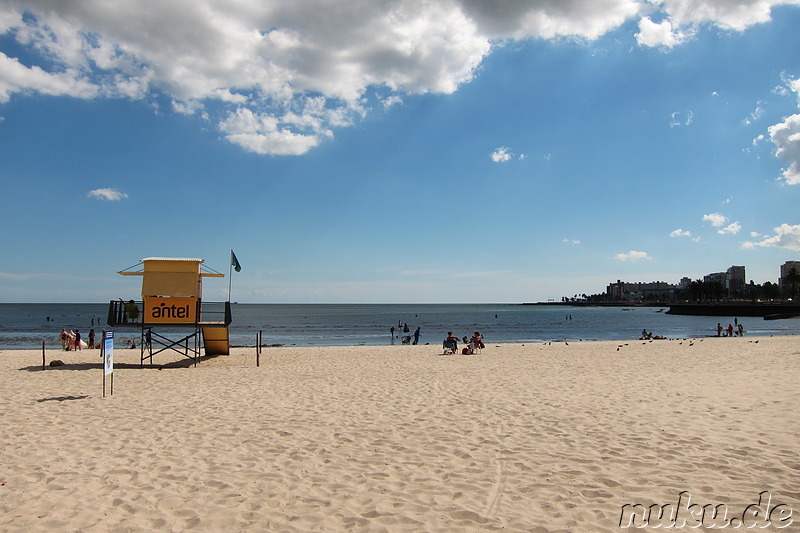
<point>450,344</point>
<point>476,342</point>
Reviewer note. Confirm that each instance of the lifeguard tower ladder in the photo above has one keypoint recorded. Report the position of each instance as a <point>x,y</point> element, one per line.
<point>172,303</point>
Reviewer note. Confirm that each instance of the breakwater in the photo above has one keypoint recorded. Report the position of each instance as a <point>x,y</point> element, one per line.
<point>760,309</point>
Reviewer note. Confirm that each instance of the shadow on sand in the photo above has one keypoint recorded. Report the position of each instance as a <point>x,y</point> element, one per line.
<point>63,398</point>
<point>181,363</point>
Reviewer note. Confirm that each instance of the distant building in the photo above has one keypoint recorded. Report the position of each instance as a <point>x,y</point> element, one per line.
<point>785,268</point>
<point>735,281</point>
<point>732,280</point>
<point>717,277</point>
<point>657,291</point>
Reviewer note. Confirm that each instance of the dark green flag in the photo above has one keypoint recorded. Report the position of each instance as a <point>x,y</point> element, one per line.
<point>235,262</point>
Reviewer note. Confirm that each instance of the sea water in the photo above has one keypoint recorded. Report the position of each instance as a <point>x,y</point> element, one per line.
<point>26,326</point>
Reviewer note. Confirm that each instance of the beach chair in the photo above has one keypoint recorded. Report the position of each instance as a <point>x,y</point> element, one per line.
<point>450,347</point>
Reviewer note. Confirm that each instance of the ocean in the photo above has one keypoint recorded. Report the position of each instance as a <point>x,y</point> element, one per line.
<point>26,326</point>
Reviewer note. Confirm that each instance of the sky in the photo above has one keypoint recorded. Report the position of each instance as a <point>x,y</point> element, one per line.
<point>403,151</point>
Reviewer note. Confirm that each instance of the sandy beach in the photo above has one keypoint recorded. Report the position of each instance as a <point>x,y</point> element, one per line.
<point>535,437</point>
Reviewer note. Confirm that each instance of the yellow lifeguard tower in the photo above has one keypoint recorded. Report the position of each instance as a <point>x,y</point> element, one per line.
<point>172,301</point>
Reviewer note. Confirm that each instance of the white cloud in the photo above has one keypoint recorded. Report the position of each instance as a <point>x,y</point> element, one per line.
<point>732,228</point>
<point>271,57</point>
<point>786,236</point>
<point>111,195</point>
<point>735,15</point>
<point>391,101</point>
<point>501,155</point>
<point>716,219</point>
<point>757,113</point>
<point>786,137</point>
<point>681,118</point>
<point>661,34</point>
<point>16,77</point>
<point>263,134</point>
<point>680,233</point>
<point>632,256</point>
<point>571,241</point>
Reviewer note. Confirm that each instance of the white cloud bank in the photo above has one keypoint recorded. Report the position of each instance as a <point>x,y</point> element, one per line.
<point>278,77</point>
<point>786,236</point>
<point>786,137</point>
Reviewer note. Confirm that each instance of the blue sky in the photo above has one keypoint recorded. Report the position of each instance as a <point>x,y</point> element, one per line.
<point>397,151</point>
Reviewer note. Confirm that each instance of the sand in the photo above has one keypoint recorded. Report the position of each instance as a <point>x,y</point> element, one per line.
<point>534,437</point>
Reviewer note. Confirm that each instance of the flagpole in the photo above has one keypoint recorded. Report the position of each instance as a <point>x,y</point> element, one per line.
<point>230,275</point>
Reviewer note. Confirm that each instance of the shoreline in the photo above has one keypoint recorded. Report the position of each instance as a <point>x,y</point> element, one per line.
<point>545,437</point>
<point>55,347</point>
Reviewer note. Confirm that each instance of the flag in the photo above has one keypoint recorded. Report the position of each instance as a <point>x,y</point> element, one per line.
<point>235,262</point>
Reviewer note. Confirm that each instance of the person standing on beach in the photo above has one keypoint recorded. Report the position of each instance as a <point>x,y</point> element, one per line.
<point>64,336</point>
<point>416,336</point>
<point>78,340</point>
<point>91,338</point>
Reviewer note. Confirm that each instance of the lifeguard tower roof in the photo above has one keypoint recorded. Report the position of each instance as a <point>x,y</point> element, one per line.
<point>190,259</point>
<point>171,276</point>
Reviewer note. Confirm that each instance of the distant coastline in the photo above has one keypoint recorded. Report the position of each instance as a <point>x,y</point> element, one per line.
<point>767,310</point>
<point>763,309</point>
<point>600,304</point>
